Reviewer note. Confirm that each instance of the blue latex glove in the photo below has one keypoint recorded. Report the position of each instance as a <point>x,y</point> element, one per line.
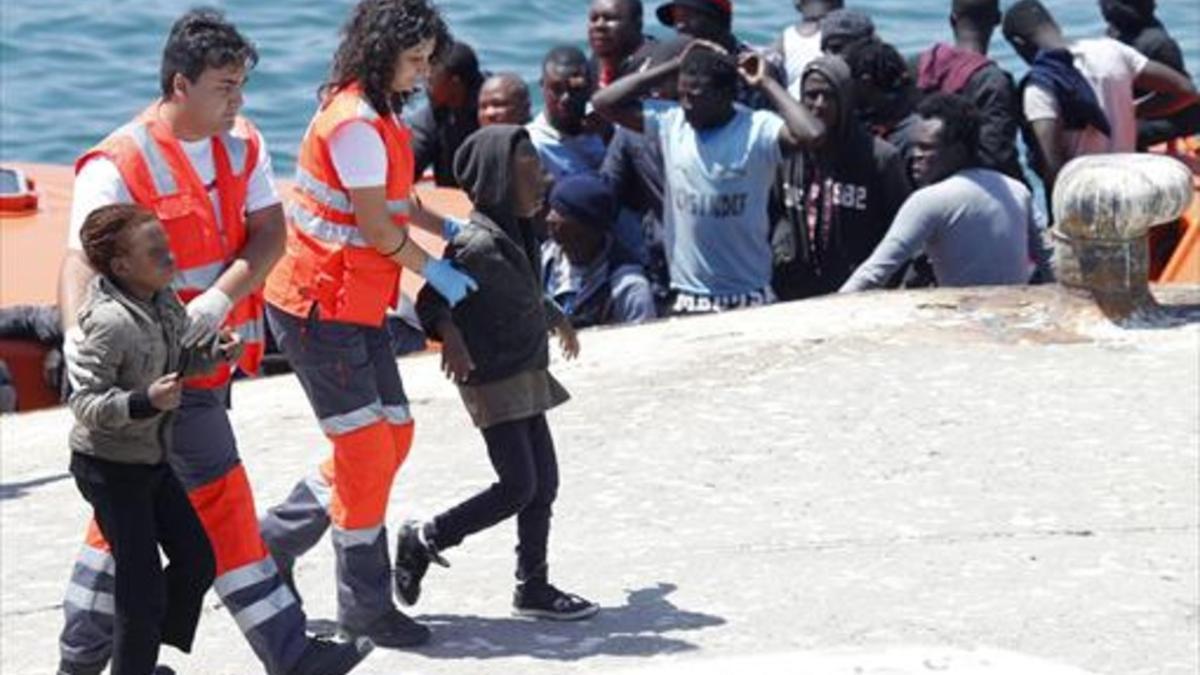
<point>452,284</point>
<point>451,227</point>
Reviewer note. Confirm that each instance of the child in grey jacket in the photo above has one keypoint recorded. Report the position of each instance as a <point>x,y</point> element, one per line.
<point>127,377</point>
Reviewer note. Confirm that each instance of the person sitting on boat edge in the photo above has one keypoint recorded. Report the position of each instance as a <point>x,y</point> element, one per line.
<point>584,269</point>
<point>976,224</point>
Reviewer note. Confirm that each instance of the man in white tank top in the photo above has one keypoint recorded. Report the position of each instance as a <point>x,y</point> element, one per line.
<point>801,42</point>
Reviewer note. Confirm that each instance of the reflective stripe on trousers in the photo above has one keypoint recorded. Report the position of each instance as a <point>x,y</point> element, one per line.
<point>350,377</point>
<point>247,581</point>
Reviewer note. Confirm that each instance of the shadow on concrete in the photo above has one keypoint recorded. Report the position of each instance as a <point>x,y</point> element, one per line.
<point>21,489</point>
<point>636,628</point>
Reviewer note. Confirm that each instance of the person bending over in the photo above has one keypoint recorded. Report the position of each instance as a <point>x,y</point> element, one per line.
<point>1077,98</point>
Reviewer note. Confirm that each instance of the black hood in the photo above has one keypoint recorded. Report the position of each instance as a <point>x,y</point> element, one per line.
<point>483,167</point>
<point>835,70</point>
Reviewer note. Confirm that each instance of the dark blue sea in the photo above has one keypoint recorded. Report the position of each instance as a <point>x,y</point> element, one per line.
<point>71,70</point>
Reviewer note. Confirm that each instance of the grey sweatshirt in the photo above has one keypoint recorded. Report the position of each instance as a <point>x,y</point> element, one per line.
<point>976,226</point>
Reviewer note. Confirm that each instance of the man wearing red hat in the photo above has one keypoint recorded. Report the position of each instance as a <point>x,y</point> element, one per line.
<point>712,20</point>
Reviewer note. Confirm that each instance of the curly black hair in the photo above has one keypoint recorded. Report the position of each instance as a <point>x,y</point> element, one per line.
<point>200,39</point>
<point>103,229</point>
<point>880,62</point>
<point>375,35</point>
<point>960,120</point>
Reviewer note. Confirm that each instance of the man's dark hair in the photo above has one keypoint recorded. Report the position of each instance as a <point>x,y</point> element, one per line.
<point>636,11</point>
<point>199,40</point>
<point>960,120</point>
<point>374,36</point>
<point>979,13</point>
<point>564,55</point>
<point>101,233</point>
<point>718,66</point>
<point>460,61</point>
<point>879,61</point>
<point>1025,17</point>
<point>1128,16</point>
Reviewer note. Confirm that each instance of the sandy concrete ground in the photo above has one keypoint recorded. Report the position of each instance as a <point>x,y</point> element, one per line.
<point>924,482</point>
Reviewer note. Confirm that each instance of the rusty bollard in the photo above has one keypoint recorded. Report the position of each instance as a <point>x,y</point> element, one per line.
<point>1104,207</point>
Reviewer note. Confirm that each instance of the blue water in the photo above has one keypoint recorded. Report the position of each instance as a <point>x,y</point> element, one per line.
<point>72,70</point>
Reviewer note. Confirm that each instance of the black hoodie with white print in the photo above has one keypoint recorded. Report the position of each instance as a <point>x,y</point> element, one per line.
<point>831,206</point>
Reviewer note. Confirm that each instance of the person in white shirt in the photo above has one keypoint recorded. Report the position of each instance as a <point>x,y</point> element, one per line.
<point>800,43</point>
<point>181,158</point>
<point>1067,119</point>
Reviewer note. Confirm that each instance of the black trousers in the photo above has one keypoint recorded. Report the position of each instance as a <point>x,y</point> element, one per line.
<point>522,453</point>
<point>138,508</point>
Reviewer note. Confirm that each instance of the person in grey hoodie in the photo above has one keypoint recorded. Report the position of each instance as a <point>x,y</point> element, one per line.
<point>494,346</point>
<point>127,380</point>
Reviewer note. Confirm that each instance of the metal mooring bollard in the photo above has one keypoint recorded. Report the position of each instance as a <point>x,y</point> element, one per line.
<point>1104,206</point>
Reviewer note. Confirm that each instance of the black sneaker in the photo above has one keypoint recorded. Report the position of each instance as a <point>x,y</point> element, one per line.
<point>71,668</point>
<point>413,555</point>
<point>326,657</point>
<point>393,630</point>
<point>163,670</point>
<point>540,600</point>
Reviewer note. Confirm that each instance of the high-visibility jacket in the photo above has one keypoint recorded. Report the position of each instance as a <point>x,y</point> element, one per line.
<point>328,262</point>
<point>203,241</point>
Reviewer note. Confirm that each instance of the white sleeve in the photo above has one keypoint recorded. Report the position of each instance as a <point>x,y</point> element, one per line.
<point>769,128</point>
<point>1134,60</point>
<point>359,155</point>
<point>261,192</point>
<point>98,184</point>
<point>1039,104</point>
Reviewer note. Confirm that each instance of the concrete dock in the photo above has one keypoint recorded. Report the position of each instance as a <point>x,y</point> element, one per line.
<point>965,481</point>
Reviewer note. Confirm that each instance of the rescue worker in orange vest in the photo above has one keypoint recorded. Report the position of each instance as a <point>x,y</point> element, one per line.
<point>347,241</point>
<point>205,173</point>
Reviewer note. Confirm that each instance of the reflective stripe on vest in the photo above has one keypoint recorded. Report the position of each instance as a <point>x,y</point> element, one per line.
<point>160,170</point>
<point>143,152</point>
<point>329,262</point>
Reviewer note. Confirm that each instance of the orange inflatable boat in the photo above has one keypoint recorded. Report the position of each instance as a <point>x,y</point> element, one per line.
<point>33,235</point>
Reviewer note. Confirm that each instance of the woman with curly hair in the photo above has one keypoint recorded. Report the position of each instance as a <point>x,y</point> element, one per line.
<point>347,244</point>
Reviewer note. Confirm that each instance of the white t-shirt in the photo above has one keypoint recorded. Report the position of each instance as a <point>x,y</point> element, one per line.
<point>100,184</point>
<point>717,183</point>
<point>359,155</point>
<point>1110,67</point>
<point>798,51</point>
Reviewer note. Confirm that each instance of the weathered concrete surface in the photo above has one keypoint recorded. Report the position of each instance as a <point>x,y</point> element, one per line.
<point>959,470</point>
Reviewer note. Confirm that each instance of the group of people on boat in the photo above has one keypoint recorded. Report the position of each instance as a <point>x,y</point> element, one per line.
<point>687,175</point>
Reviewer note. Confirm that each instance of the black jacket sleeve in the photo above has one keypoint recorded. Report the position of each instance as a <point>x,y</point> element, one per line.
<point>996,99</point>
<point>424,140</point>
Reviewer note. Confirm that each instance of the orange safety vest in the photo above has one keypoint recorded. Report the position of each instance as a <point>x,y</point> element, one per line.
<point>328,263</point>
<point>159,176</point>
